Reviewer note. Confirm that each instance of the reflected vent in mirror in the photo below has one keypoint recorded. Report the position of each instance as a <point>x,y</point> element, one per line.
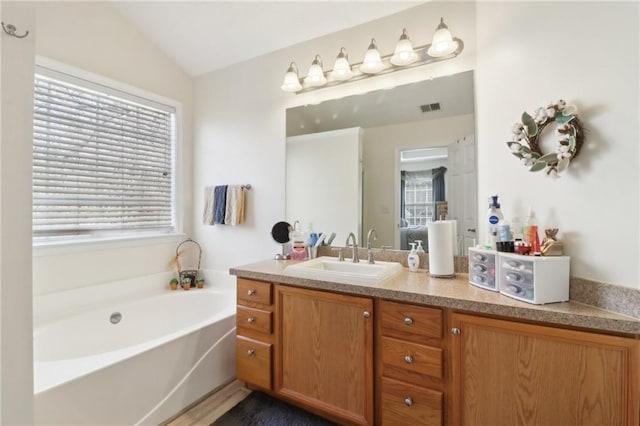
<point>430,107</point>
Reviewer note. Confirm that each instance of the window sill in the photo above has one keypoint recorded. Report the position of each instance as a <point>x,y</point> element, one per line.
<point>53,247</point>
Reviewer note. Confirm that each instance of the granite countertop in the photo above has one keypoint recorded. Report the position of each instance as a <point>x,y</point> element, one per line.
<point>455,293</point>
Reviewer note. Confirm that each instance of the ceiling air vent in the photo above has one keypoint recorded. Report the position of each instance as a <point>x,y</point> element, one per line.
<point>430,107</point>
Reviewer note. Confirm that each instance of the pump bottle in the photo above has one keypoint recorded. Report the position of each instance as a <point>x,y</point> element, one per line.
<point>494,215</point>
<point>412,259</point>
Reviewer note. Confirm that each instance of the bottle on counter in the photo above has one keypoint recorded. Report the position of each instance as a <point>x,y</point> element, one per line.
<point>299,242</point>
<point>494,216</point>
<point>412,259</point>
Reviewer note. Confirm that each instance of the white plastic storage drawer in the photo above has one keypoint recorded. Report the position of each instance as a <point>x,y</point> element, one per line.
<point>534,279</point>
<point>482,268</point>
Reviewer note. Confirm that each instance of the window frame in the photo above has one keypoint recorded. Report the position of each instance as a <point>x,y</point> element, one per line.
<point>115,238</point>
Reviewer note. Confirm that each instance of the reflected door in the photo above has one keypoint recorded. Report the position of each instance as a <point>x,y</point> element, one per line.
<point>463,190</point>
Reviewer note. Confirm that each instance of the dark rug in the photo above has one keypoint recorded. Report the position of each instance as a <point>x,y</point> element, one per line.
<point>259,409</point>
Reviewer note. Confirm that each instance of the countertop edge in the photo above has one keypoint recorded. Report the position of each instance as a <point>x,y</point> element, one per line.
<point>573,314</point>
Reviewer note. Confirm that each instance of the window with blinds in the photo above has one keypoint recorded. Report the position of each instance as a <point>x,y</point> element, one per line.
<point>102,159</point>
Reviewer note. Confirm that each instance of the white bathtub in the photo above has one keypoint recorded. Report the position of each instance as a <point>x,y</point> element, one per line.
<point>168,349</point>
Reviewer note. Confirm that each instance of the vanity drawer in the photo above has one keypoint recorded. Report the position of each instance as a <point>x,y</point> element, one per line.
<point>254,319</point>
<point>253,362</point>
<point>410,322</point>
<point>400,357</point>
<point>252,292</point>
<point>405,404</point>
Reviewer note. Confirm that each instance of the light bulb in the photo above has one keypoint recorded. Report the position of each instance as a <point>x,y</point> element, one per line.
<point>404,53</point>
<point>291,81</point>
<point>372,62</point>
<point>315,76</point>
<point>342,67</point>
<point>443,43</point>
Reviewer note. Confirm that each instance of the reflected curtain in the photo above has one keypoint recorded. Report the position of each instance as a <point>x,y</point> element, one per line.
<point>437,183</point>
<point>403,177</point>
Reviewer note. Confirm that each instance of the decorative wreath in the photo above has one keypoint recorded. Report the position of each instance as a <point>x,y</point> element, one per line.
<point>526,135</point>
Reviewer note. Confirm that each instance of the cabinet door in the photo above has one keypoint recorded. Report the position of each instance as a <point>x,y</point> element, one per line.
<point>508,373</point>
<point>325,352</point>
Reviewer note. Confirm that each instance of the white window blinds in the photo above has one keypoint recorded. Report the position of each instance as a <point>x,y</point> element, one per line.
<point>102,160</point>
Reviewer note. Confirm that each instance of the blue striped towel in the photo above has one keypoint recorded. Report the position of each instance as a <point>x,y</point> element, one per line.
<point>219,204</point>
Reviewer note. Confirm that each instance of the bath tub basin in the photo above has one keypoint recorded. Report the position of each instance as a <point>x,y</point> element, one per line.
<point>161,352</point>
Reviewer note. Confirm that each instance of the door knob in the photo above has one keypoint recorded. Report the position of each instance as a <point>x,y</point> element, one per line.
<point>251,352</point>
<point>408,359</point>
<point>251,292</point>
<point>366,314</point>
<point>251,320</point>
<point>408,401</point>
<point>455,331</point>
<point>408,320</point>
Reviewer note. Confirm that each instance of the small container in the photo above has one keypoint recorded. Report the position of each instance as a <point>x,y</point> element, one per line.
<point>200,282</point>
<point>535,280</point>
<point>521,247</point>
<point>482,268</point>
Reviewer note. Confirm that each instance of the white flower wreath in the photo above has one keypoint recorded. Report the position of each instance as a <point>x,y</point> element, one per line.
<point>525,143</point>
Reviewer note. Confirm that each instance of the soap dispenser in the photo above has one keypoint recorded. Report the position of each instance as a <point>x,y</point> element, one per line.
<point>413,260</point>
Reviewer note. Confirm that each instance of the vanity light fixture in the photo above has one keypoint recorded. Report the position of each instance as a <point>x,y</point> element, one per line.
<point>404,53</point>
<point>372,63</point>
<point>342,67</point>
<point>443,47</point>
<point>291,81</point>
<point>315,76</point>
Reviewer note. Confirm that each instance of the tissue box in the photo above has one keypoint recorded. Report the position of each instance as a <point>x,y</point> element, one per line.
<point>534,279</point>
<point>482,268</point>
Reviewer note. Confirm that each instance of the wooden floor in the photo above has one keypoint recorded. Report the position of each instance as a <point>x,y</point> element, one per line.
<point>206,411</point>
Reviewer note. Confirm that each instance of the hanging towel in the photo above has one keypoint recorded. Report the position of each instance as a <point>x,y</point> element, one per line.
<point>235,205</point>
<point>219,204</point>
<point>207,213</point>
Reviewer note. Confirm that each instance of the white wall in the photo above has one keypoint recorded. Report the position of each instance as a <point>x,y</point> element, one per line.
<point>531,53</point>
<point>239,122</point>
<point>16,130</point>
<point>94,37</point>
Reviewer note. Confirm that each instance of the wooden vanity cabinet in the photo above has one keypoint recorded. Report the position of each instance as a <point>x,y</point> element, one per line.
<point>254,333</point>
<point>324,355</point>
<point>410,364</point>
<point>508,373</point>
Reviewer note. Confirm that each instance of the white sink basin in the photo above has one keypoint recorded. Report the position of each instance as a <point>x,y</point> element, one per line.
<point>328,268</point>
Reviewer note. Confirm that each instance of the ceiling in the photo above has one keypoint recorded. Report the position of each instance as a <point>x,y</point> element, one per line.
<point>203,36</point>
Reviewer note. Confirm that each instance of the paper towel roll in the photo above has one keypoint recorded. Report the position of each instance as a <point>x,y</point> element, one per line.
<point>440,248</point>
<point>454,236</point>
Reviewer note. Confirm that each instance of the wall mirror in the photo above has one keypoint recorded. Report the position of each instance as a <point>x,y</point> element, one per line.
<point>414,147</point>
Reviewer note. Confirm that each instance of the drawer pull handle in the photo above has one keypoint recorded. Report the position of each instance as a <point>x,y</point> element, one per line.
<point>251,292</point>
<point>251,352</point>
<point>408,320</point>
<point>366,314</point>
<point>408,359</point>
<point>408,401</point>
<point>251,320</point>
<point>455,331</point>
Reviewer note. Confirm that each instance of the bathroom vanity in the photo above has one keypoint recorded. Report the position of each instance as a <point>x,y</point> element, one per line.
<point>421,350</point>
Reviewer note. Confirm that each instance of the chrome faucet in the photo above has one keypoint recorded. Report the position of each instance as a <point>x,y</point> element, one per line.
<point>354,247</point>
<point>369,251</point>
